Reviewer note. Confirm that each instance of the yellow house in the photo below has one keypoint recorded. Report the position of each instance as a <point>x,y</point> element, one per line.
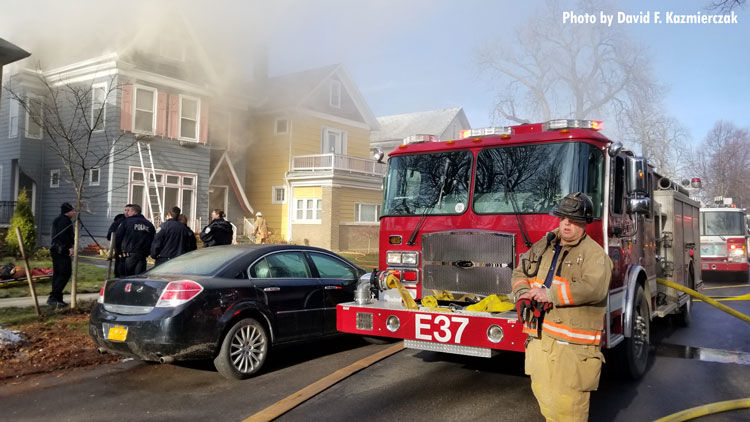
<point>309,169</point>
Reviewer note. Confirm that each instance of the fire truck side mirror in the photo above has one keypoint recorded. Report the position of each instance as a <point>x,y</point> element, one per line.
<point>636,176</point>
<point>614,149</point>
<point>639,205</point>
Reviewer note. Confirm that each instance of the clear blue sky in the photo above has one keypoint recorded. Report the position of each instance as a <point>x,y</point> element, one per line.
<point>415,55</point>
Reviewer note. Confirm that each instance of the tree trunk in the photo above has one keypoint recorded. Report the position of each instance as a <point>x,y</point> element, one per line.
<point>74,275</point>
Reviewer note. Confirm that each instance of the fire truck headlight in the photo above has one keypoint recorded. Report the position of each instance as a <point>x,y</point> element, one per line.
<point>393,258</point>
<point>409,258</point>
<point>392,323</point>
<point>495,334</point>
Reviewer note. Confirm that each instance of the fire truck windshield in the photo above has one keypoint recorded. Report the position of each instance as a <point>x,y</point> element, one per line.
<point>722,223</point>
<point>537,176</point>
<point>436,182</point>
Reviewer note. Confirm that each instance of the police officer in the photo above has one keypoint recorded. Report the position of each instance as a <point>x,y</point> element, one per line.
<point>172,240</point>
<point>119,218</point>
<point>572,272</point>
<point>61,249</point>
<point>218,232</point>
<point>133,241</point>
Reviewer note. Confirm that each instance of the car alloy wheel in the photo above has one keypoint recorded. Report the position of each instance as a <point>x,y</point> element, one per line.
<point>243,350</point>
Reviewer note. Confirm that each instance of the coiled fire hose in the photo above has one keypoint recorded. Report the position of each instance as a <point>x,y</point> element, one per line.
<point>711,408</point>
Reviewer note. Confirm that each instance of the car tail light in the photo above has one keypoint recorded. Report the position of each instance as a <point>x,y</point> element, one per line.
<point>178,292</point>
<point>100,299</point>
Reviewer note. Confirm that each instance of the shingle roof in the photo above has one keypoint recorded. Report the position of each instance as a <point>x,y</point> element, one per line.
<point>287,90</point>
<point>399,126</point>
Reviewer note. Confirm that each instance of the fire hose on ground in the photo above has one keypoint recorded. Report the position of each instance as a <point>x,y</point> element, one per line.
<point>711,408</point>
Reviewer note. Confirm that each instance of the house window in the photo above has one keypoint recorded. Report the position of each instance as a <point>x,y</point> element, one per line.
<point>34,117</point>
<point>333,141</point>
<point>308,210</point>
<point>94,177</point>
<point>13,122</point>
<point>145,106</point>
<point>335,94</point>
<point>172,193</point>
<point>281,126</point>
<point>189,116</point>
<point>54,178</point>
<point>278,195</point>
<point>98,109</point>
<point>368,213</point>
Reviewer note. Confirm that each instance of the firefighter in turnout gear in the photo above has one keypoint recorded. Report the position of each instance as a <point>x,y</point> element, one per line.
<point>566,276</point>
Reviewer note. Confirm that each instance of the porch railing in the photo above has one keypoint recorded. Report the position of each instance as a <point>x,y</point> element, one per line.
<point>6,211</point>
<point>320,162</point>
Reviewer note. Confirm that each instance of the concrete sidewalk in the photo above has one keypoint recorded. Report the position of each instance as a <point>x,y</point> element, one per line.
<point>20,302</point>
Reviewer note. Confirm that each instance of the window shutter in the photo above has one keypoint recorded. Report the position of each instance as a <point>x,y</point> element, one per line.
<point>174,116</point>
<point>126,108</point>
<point>161,114</point>
<point>203,123</point>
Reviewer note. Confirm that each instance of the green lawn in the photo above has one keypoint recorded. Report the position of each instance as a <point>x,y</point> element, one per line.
<point>90,278</point>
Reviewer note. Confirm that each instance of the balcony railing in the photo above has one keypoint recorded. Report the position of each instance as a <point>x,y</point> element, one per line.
<point>330,162</point>
<point>6,211</point>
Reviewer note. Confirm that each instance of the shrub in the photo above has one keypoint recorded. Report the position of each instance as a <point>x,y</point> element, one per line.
<point>23,218</point>
<point>42,253</point>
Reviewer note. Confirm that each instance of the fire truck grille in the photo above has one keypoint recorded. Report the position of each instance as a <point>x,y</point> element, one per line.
<point>468,262</point>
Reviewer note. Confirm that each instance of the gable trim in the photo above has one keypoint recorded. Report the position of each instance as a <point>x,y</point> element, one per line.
<point>234,181</point>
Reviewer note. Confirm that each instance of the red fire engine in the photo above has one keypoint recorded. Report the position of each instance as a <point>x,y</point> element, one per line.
<point>456,216</point>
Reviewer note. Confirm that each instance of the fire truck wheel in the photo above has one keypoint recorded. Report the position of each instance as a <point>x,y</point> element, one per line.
<point>635,352</point>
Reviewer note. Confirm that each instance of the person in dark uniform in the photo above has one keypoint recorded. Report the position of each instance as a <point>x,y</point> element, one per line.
<point>172,240</point>
<point>61,249</point>
<point>219,232</point>
<point>112,229</point>
<point>133,241</point>
<point>192,243</point>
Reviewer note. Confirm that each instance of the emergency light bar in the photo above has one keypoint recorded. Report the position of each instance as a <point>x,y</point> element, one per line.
<point>573,124</point>
<point>486,131</point>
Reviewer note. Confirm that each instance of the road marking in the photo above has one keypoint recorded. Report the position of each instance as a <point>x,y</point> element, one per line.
<point>290,402</point>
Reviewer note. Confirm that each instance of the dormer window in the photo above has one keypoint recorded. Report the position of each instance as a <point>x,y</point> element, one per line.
<point>335,94</point>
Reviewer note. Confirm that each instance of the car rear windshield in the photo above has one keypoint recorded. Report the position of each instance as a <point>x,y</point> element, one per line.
<point>204,262</point>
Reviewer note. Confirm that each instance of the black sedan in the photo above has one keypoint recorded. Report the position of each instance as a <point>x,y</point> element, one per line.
<point>227,303</point>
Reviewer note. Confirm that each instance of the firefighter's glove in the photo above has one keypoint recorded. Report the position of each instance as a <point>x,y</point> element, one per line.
<point>524,310</point>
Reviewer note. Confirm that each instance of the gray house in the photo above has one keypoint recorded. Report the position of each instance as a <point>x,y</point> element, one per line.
<point>9,53</point>
<point>434,125</point>
<point>160,99</point>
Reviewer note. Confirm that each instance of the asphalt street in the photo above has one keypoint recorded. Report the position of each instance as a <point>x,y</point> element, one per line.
<point>705,363</point>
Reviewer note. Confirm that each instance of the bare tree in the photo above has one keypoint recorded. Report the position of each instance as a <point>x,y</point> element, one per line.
<point>553,69</point>
<point>72,118</point>
<point>723,163</point>
<point>725,6</point>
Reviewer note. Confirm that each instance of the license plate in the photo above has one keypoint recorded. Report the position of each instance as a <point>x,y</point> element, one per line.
<point>117,333</point>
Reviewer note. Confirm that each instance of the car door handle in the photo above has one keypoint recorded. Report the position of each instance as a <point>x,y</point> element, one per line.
<point>332,287</point>
<point>271,289</point>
